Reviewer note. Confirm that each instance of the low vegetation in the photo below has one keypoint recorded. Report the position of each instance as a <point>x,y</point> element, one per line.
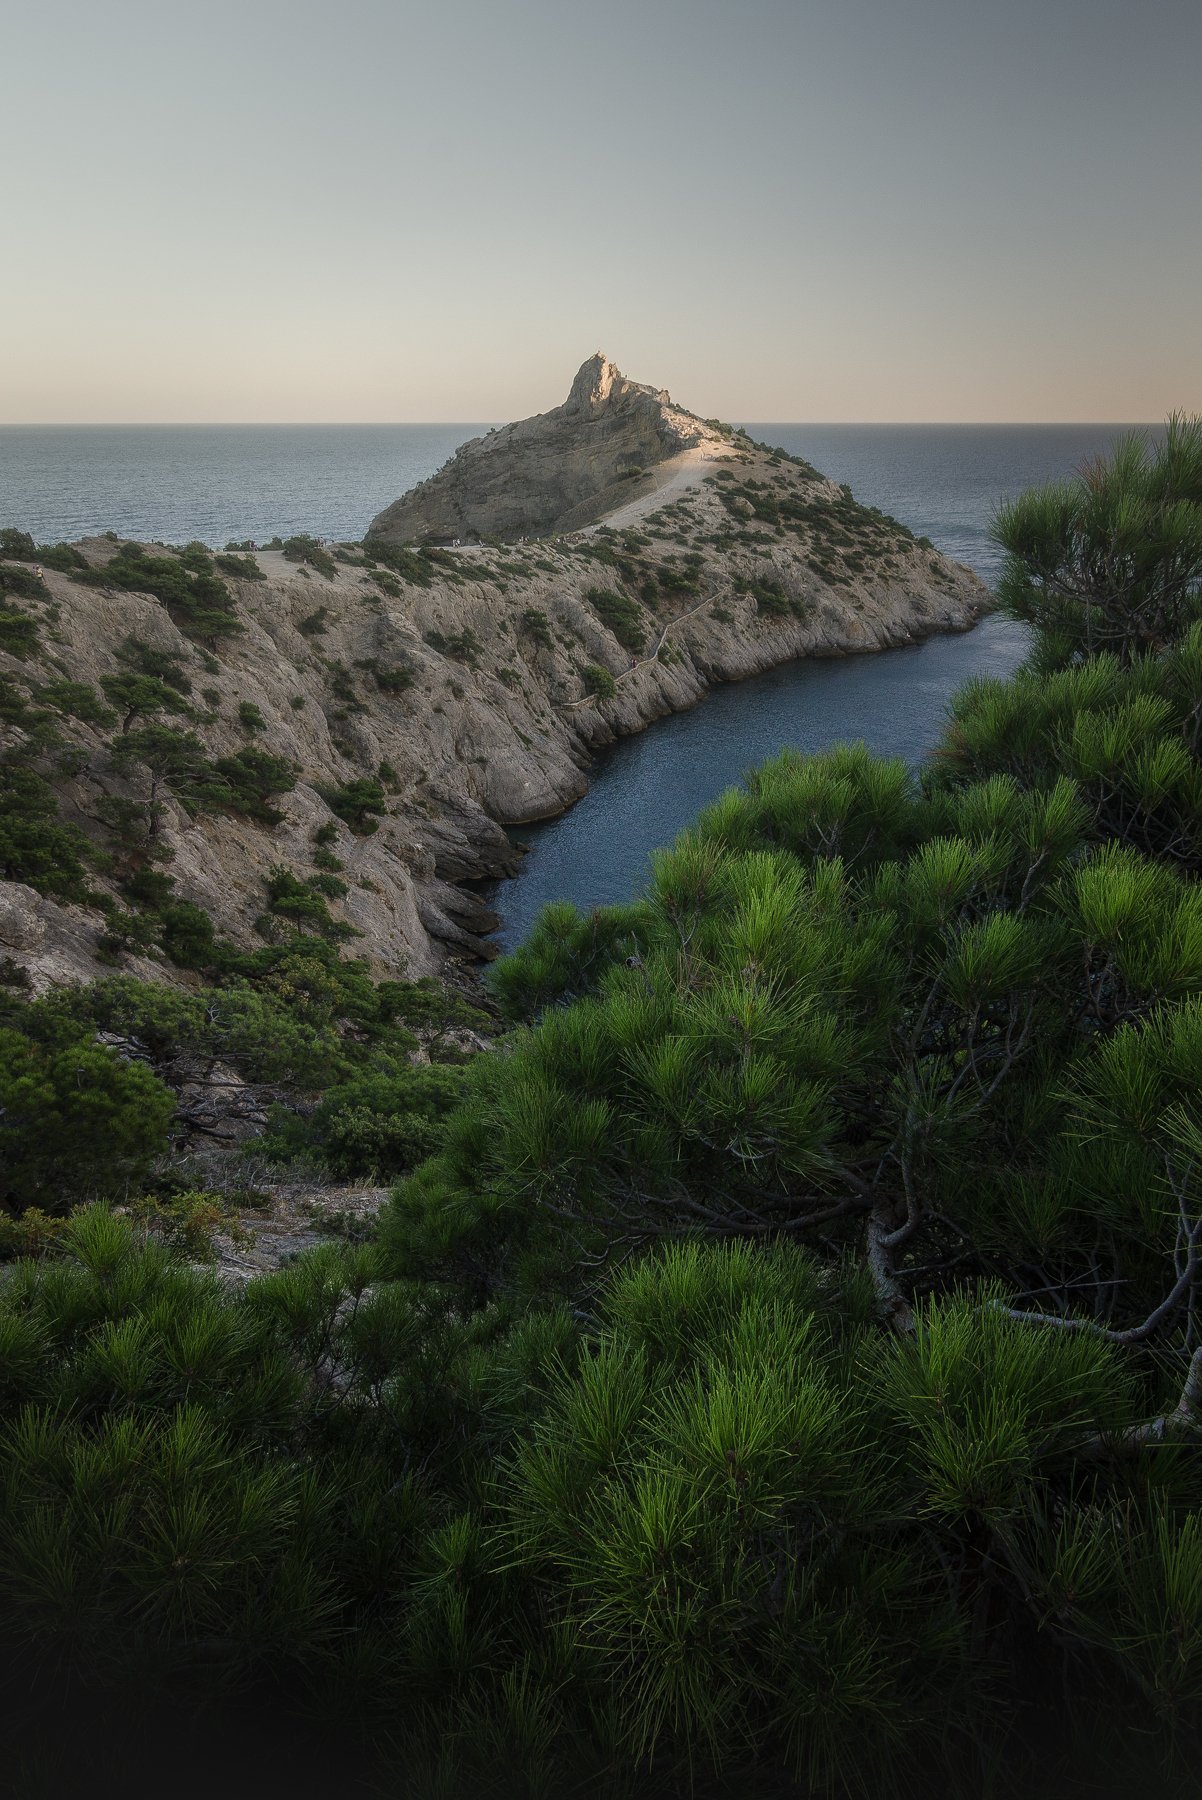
<point>778,1365</point>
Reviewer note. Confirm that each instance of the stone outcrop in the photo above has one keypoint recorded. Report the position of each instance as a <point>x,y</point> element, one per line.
<point>554,472</point>
<point>464,685</point>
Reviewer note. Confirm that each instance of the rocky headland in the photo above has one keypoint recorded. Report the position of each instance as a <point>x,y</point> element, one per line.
<point>604,447</point>
<point>423,697</point>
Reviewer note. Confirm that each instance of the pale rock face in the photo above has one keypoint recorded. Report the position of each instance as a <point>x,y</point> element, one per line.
<point>554,472</point>
<point>495,728</point>
<point>22,925</point>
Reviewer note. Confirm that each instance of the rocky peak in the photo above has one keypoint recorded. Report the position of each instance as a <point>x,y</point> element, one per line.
<point>553,472</point>
<point>595,381</point>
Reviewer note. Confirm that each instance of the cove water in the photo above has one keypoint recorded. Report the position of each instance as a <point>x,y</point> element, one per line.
<point>944,482</point>
<point>215,483</point>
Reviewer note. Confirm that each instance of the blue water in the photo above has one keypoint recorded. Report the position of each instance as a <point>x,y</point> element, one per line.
<point>944,482</point>
<point>172,484</point>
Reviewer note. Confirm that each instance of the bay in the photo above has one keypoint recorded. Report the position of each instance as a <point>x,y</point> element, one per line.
<point>945,483</point>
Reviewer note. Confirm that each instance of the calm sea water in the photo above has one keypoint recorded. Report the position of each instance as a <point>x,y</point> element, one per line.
<point>176,483</point>
<point>944,482</point>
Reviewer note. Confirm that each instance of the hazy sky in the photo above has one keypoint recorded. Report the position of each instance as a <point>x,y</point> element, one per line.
<point>778,209</point>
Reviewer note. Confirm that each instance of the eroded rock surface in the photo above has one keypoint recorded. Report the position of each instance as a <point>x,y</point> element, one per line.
<point>554,472</point>
<point>465,681</point>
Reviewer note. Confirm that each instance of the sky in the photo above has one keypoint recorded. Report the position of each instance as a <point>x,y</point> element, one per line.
<point>818,210</point>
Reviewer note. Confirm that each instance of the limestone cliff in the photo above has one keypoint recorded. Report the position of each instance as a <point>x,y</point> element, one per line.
<point>473,685</point>
<point>554,472</point>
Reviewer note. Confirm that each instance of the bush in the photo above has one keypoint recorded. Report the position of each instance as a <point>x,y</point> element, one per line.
<point>1112,560</point>
<point>359,803</point>
<point>537,626</point>
<point>198,601</point>
<point>621,615</point>
<point>464,646</point>
<point>249,781</point>
<point>79,700</point>
<point>35,846</point>
<point>75,1121</point>
<point>240,568</point>
<point>18,632</point>
<point>141,696</point>
<point>306,550</point>
<point>162,665</point>
<point>598,682</point>
<point>377,1126</point>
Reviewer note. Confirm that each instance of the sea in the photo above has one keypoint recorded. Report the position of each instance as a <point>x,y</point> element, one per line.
<point>174,484</point>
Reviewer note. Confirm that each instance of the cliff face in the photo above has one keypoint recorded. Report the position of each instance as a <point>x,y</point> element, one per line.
<point>554,472</point>
<point>464,681</point>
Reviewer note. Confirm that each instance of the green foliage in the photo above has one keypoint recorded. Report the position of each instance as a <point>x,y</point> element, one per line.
<point>163,665</point>
<point>463,646</point>
<point>537,627</point>
<point>306,550</point>
<point>19,545</point>
<point>35,845</point>
<point>249,781</point>
<point>598,682</point>
<point>240,568</point>
<point>75,1120</point>
<point>784,1371</point>
<point>1112,560</point>
<point>141,696</point>
<point>18,632</point>
<point>622,615</point>
<point>359,803</point>
<point>197,600</point>
<point>302,905</point>
<point>392,679</point>
<point>79,700</point>
<point>377,1126</point>
<point>250,716</point>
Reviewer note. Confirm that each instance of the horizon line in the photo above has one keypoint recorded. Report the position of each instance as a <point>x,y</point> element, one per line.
<point>390,424</point>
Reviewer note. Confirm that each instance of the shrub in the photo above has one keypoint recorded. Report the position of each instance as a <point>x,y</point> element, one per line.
<point>358,803</point>
<point>162,665</point>
<point>241,568</point>
<point>621,615</point>
<point>1112,560</point>
<point>598,682</point>
<point>390,678</point>
<point>18,632</point>
<point>141,696</point>
<point>35,846</point>
<point>199,602</point>
<point>74,1120</point>
<point>464,646</point>
<point>306,550</point>
<point>79,700</point>
<point>537,626</point>
<point>249,781</point>
<point>377,1126</point>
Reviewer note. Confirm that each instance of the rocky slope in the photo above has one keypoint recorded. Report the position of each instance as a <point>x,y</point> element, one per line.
<point>473,686</point>
<point>554,472</point>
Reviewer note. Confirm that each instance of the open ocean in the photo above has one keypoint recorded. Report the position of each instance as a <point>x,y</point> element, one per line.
<point>173,483</point>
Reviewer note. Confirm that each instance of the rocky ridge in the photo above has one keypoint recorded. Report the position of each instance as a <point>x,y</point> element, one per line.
<point>553,472</point>
<point>475,686</point>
